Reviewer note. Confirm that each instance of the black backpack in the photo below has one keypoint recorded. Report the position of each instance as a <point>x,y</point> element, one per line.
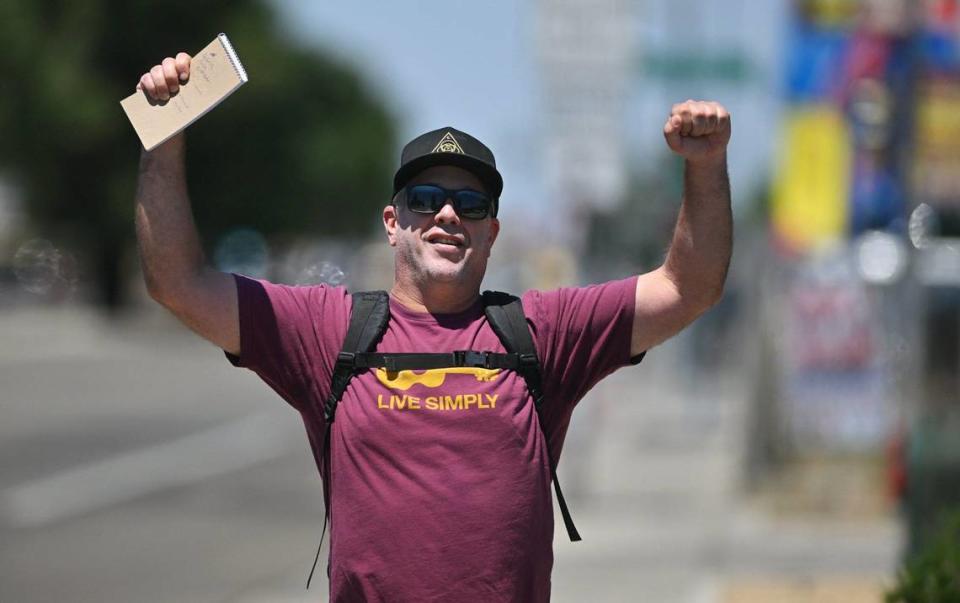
<point>368,322</point>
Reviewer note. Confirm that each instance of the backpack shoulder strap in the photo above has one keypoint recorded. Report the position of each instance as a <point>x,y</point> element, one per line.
<point>505,315</point>
<point>368,321</point>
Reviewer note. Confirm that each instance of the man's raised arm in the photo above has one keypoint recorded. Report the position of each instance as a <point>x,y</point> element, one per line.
<point>174,267</point>
<point>691,279</point>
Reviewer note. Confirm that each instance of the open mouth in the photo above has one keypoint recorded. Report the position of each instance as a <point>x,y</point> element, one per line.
<point>445,241</point>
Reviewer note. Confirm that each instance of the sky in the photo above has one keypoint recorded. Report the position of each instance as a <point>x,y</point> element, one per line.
<point>465,64</point>
<point>473,65</point>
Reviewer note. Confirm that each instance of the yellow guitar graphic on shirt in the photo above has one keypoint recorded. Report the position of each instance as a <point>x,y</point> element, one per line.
<point>404,380</point>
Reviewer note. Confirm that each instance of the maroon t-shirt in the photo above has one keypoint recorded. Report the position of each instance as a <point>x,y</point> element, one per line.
<point>440,482</point>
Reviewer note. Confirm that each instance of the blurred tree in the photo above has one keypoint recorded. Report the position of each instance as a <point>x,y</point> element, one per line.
<point>304,147</point>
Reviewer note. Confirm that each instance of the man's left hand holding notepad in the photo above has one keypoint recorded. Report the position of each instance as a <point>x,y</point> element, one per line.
<point>181,89</point>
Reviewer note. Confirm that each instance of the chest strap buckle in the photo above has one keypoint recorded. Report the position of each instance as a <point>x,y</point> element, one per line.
<point>471,358</point>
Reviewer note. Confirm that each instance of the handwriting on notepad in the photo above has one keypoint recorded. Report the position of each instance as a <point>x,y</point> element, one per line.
<point>199,78</point>
<point>203,67</point>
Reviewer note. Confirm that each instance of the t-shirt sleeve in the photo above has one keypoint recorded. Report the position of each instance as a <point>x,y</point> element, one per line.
<point>582,335</point>
<point>290,336</point>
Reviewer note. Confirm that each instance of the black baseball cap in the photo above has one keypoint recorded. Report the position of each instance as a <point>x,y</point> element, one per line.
<point>448,146</point>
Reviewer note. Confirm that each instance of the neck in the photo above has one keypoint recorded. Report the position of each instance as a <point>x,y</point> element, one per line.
<point>438,299</point>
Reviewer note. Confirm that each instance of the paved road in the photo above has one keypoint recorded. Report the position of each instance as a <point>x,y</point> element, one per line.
<point>137,465</point>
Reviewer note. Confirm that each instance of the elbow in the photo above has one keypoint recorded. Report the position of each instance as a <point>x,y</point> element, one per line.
<point>160,293</point>
<point>696,301</point>
<point>708,297</point>
<point>166,291</point>
<point>698,294</point>
<point>700,286</point>
<point>154,286</point>
<point>714,295</point>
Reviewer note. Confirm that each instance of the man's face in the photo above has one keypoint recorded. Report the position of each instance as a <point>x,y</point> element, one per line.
<point>443,247</point>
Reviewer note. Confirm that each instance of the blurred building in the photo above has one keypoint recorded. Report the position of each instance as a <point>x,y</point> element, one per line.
<point>585,48</point>
<point>864,223</point>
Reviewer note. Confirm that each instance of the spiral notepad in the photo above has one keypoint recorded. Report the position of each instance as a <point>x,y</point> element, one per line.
<point>215,73</point>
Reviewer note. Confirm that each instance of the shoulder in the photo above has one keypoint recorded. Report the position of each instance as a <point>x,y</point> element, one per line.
<point>614,295</point>
<point>261,295</point>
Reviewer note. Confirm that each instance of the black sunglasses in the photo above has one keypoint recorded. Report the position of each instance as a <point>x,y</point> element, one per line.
<point>468,203</point>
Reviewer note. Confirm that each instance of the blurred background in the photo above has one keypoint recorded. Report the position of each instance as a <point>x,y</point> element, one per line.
<point>800,442</point>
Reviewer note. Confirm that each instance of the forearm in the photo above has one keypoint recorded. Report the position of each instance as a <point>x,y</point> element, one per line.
<point>170,250</point>
<point>702,243</point>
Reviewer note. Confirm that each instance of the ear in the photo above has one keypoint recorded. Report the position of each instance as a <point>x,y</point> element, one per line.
<point>390,224</point>
<point>494,231</point>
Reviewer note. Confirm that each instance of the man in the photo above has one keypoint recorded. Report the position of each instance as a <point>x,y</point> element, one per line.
<point>439,480</point>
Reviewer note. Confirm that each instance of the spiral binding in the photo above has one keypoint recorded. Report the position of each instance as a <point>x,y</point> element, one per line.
<point>234,59</point>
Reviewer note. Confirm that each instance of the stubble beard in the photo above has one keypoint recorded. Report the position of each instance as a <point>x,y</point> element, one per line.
<point>423,267</point>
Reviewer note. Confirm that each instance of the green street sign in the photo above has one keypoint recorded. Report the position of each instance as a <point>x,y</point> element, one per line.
<point>730,66</point>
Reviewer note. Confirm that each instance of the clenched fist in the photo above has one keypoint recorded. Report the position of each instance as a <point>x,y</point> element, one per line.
<point>163,80</point>
<point>698,131</point>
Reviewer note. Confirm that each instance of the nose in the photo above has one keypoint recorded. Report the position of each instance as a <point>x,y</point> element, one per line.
<point>447,214</point>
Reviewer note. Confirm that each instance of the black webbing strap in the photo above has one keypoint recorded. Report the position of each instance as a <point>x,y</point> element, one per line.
<point>368,321</point>
<point>506,317</point>
<point>394,362</point>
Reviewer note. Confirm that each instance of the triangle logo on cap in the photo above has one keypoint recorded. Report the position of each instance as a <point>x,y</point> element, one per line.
<point>448,144</point>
